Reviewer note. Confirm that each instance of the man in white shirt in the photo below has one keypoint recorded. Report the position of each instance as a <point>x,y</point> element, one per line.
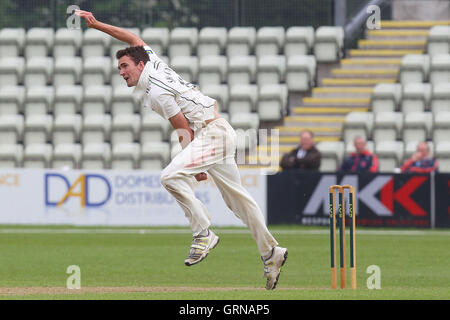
<point>209,146</point>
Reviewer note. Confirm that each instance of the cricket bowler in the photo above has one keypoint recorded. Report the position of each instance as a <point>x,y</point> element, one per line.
<point>208,147</point>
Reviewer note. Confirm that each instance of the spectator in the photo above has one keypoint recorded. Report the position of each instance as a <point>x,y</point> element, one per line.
<point>362,160</point>
<point>420,161</point>
<point>305,156</point>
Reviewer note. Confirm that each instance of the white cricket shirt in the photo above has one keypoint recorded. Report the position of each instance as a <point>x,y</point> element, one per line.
<point>163,90</point>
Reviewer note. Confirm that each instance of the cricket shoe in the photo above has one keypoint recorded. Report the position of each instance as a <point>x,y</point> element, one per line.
<point>272,266</point>
<point>200,248</point>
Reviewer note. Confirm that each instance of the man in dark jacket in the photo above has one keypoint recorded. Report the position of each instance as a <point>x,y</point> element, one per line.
<point>362,160</point>
<point>305,156</point>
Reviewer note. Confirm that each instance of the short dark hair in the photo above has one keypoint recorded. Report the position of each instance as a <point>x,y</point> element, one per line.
<point>135,53</point>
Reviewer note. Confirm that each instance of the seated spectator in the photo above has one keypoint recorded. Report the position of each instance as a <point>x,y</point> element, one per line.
<point>306,156</point>
<point>362,160</point>
<point>420,161</point>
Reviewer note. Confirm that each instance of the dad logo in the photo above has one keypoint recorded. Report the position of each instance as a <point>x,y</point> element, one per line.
<point>82,183</point>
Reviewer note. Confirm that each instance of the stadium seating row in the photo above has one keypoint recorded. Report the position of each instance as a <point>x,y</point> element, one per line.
<point>411,97</point>
<point>72,128</point>
<point>416,68</point>
<point>326,42</point>
<point>391,126</point>
<point>438,40</point>
<point>269,101</point>
<point>151,155</point>
<point>298,71</point>
<point>391,154</point>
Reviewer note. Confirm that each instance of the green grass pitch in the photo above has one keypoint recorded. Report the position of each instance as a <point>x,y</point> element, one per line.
<point>147,263</point>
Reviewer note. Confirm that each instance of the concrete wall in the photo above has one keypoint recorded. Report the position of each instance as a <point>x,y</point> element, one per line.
<point>421,10</point>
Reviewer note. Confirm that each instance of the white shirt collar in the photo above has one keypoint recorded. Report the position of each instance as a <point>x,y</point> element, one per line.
<point>143,82</point>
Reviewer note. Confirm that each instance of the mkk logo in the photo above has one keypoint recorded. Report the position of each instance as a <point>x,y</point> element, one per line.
<point>93,190</point>
<point>382,205</point>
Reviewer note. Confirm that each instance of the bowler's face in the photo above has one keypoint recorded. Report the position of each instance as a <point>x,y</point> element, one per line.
<point>130,71</point>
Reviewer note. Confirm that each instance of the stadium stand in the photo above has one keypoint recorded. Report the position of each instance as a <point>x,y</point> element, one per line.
<point>272,101</point>
<point>186,67</point>
<point>39,100</point>
<point>441,127</point>
<point>125,128</point>
<point>154,155</point>
<point>241,41</point>
<point>218,92</point>
<point>243,99</point>
<point>96,99</point>
<point>96,156</point>
<point>211,41</point>
<point>329,43</point>
<point>158,38</point>
<point>12,41</point>
<point>96,128</point>
<point>125,156</point>
<point>66,155</point>
<point>11,155</point>
<point>271,69</point>
<point>269,41</point>
<point>96,71</point>
<point>416,97</point>
<point>68,99</point>
<point>358,124</point>
<point>440,97</point>
<point>414,68</point>
<point>438,40</point>
<point>66,129</point>
<point>390,155</point>
<point>12,70</point>
<point>417,126</point>
<point>11,99</point>
<point>67,42</point>
<point>332,155</point>
<point>440,68</point>
<point>183,42</point>
<point>386,97</point>
<point>38,42</point>
<point>299,41</point>
<point>67,71</point>
<point>123,101</point>
<point>300,72</point>
<point>389,90</point>
<point>387,126</point>
<point>94,43</point>
<point>38,71</point>
<point>117,45</point>
<point>38,155</point>
<point>442,154</point>
<point>11,128</point>
<point>38,129</point>
<point>212,70</point>
<point>241,70</point>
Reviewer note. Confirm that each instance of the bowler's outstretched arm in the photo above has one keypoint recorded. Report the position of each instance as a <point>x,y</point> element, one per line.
<point>115,32</point>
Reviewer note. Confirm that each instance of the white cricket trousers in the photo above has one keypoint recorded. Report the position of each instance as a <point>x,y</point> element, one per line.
<point>212,151</point>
